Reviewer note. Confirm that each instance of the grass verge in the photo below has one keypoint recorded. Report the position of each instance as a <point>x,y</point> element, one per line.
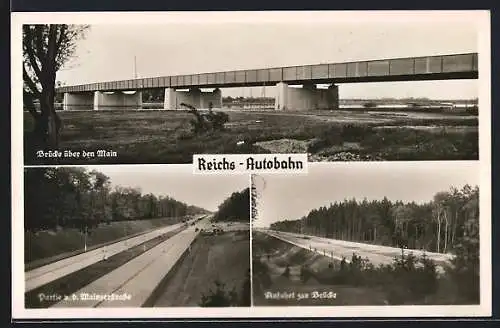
<point>45,247</point>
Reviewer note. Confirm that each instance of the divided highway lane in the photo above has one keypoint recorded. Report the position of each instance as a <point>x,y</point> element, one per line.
<point>339,248</point>
<point>139,277</point>
<point>231,226</point>
<point>50,272</point>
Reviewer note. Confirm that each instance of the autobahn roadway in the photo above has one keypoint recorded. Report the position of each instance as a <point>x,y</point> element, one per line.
<point>231,226</point>
<point>139,277</point>
<point>50,272</point>
<point>339,249</point>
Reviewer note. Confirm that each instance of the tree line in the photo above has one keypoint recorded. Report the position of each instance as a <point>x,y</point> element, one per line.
<point>249,100</point>
<point>435,226</point>
<point>77,198</point>
<point>235,208</point>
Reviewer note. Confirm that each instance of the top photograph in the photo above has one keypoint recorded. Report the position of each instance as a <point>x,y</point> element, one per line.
<point>159,88</point>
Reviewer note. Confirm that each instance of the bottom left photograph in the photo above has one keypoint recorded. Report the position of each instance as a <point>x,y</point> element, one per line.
<point>135,236</point>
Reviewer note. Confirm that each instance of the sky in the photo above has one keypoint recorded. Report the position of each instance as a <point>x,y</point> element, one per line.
<point>176,181</point>
<point>200,45</point>
<point>293,196</point>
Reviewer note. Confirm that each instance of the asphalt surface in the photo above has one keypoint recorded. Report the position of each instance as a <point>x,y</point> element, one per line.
<point>338,249</point>
<point>50,272</point>
<point>229,226</point>
<point>133,283</point>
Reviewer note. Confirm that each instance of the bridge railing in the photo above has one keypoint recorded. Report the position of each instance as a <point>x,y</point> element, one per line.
<point>429,65</point>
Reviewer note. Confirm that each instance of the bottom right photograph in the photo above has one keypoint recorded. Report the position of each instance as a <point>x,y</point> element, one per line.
<point>367,234</point>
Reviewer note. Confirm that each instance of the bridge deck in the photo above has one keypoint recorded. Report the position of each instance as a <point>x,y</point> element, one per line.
<point>456,66</point>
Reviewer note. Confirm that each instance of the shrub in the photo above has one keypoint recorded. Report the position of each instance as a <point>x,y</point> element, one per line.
<point>327,137</point>
<point>286,273</point>
<point>356,269</point>
<point>208,122</point>
<point>218,120</point>
<point>261,273</point>
<point>407,280</point>
<point>465,265</point>
<point>246,291</point>
<point>411,279</point>
<point>219,297</point>
<point>355,132</point>
<point>305,274</point>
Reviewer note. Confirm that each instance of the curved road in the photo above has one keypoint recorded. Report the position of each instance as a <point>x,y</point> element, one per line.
<point>338,249</point>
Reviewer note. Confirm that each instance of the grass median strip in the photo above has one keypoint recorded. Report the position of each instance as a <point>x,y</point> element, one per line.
<point>53,292</point>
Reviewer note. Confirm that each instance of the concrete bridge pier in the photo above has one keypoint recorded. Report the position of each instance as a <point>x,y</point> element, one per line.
<point>191,97</point>
<point>214,97</point>
<point>194,97</point>
<point>117,100</point>
<point>309,97</point>
<point>169,101</point>
<point>174,98</point>
<point>78,101</point>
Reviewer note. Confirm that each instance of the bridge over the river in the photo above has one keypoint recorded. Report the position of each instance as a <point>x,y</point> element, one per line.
<point>127,93</point>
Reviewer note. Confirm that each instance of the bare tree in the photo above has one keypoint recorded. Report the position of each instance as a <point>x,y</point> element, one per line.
<point>46,48</point>
<point>441,212</point>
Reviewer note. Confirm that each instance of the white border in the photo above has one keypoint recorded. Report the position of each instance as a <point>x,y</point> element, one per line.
<point>288,17</point>
<point>482,18</point>
<point>250,181</point>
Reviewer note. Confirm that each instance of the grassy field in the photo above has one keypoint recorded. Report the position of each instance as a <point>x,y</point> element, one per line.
<point>48,246</point>
<point>224,258</point>
<point>165,136</point>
